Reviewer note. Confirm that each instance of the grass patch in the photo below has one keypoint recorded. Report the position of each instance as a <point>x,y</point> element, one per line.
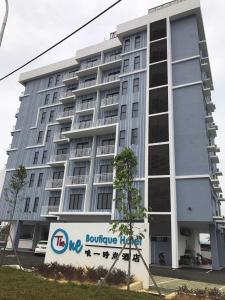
<point>21,285</point>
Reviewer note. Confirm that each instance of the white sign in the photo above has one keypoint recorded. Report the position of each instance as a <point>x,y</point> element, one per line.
<point>93,245</point>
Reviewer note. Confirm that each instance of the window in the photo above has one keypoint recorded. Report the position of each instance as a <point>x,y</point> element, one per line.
<point>27,204</point>
<point>54,201</point>
<point>48,135</point>
<point>123,112</point>
<point>82,146</point>
<point>135,110</point>
<point>31,182</point>
<point>75,201</point>
<point>108,142</point>
<point>158,51</point>
<point>126,65</point>
<point>124,87</point>
<point>35,160</point>
<point>158,129</point>
<point>136,85</point>
<point>105,169</point>
<point>44,157</point>
<point>40,178</point>
<point>137,43</point>
<point>57,79</point>
<point>104,201</point>
<point>158,30</point>
<point>122,138</point>
<point>134,136</point>
<point>43,116</point>
<point>137,62</point>
<point>47,96</point>
<point>58,175</point>
<point>126,45</point>
<point>50,81</point>
<point>35,207</point>
<point>158,100</point>
<point>55,97</point>
<point>159,194</point>
<point>158,157</point>
<point>40,137</point>
<point>62,151</point>
<point>51,116</point>
<point>158,74</point>
<point>79,171</point>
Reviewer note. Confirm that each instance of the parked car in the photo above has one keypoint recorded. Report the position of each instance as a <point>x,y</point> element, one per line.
<point>41,248</point>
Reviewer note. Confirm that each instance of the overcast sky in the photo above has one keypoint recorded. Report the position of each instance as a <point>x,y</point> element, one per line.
<point>35,25</point>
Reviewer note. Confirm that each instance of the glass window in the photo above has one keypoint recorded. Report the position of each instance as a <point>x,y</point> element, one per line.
<point>123,112</point>
<point>105,169</point>
<point>50,81</point>
<point>51,116</point>
<point>35,207</point>
<point>137,43</point>
<point>126,45</point>
<point>134,136</point>
<point>158,74</point>
<point>62,151</point>
<point>135,110</point>
<point>75,201</point>
<point>158,129</point>
<point>124,87</point>
<point>48,135</point>
<point>58,174</point>
<point>35,160</point>
<point>158,100</point>
<point>40,178</point>
<point>47,96</point>
<point>136,85</point>
<point>122,138</point>
<point>158,51</point>
<point>104,201</point>
<point>55,97</point>
<point>57,79</point>
<point>27,204</point>
<point>158,160</point>
<point>158,30</point>
<point>54,201</point>
<point>40,137</point>
<point>43,116</point>
<point>126,65</point>
<point>31,181</point>
<point>44,157</point>
<point>79,171</point>
<point>159,194</point>
<point>137,63</point>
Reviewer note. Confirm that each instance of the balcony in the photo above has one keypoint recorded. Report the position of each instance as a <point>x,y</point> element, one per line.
<point>80,154</point>
<point>110,82</point>
<point>78,180</point>
<point>112,61</point>
<point>70,78</point>
<point>58,160</point>
<point>214,180</point>
<point>106,151</point>
<point>60,138</point>
<point>112,57</point>
<point>88,128</point>
<point>65,116</point>
<point>89,68</point>
<point>49,210</point>
<point>209,119</point>
<point>211,130</point>
<point>54,184</point>
<point>207,81</point>
<point>85,106</point>
<point>213,148</point>
<point>214,158</point>
<point>86,87</point>
<point>217,188</point>
<point>110,102</point>
<point>218,172</point>
<point>210,106</point>
<point>221,198</point>
<point>104,179</point>
<point>67,97</point>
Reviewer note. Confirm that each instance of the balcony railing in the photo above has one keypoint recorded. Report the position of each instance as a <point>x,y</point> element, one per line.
<point>64,114</point>
<point>110,101</point>
<point>112,58</point>
<point>108,120</point>
<point>54,183</point>
<point>111,78</point>
<point>101,150</point>
<point>79,179</point>
<point>90,64</point>
<point>59,157</point>
<point>46,209</point>
<point>59,136</point>
<point>70,75</point>
<point>104,177</point>
<point>87,84</point>
<point>66,94</point>
<point>80,152</point>
<point>83,125</point>
<point>85,105</point>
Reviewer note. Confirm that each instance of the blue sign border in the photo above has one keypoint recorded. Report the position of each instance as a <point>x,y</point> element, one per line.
<point>66,242</point>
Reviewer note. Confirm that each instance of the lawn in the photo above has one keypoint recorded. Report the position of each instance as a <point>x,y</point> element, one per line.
<point>21,285</point>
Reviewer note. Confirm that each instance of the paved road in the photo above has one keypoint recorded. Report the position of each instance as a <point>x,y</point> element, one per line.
<point>29,260</point>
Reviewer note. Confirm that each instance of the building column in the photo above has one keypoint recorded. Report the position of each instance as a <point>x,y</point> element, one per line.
<point>14,232</point>
<point>214,247</point>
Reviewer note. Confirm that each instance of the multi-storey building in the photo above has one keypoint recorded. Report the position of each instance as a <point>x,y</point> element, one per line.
<point>149,88</point>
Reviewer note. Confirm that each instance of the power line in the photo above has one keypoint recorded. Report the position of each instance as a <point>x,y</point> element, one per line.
<point>62,40</point>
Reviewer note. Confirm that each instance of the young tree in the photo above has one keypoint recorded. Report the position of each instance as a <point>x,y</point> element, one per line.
<point>12,194</point>
<point>128,199</point>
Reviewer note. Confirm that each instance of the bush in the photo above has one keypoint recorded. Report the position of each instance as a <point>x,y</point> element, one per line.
<point>213,294</point>
<point>68,272</point>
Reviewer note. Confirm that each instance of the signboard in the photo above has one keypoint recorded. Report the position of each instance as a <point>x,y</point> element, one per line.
<point>93,245</point>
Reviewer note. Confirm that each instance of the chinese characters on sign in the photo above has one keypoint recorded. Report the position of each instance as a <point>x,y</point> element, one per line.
<point>114,255</point>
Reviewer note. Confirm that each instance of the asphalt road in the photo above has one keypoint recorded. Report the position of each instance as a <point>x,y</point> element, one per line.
<point>29,260</point>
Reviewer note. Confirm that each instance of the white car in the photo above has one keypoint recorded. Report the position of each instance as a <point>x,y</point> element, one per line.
<point>41,248</point>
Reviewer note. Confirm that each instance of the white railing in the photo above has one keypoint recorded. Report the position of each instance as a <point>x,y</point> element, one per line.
<point>54,183</point>
<point>90,64</point>
<point>64,114</point>
<point>101,150</point>
<point>66,94</point>
<point>70,75</point>
<point>111,78</point>
<point>80,152</point>
<point>154,9</point>
<point>85,84</point>
<point>110,100</point>
<point>85,105</point>
<point>108,120</point>
<point>104,177</point>
<point>59,157</point>
<point>59,136</point>
<point>112,57</point>
<point>79,179</point>
<point>49,208</point>
<point>83,125</point>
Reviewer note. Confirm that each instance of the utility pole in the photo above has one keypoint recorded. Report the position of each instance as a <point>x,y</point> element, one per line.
<point>4,21</point>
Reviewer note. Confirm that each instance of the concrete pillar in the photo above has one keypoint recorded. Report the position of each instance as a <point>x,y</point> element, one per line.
<point>214,247</point>
<point>14,232</point>
<point>220,248</point>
